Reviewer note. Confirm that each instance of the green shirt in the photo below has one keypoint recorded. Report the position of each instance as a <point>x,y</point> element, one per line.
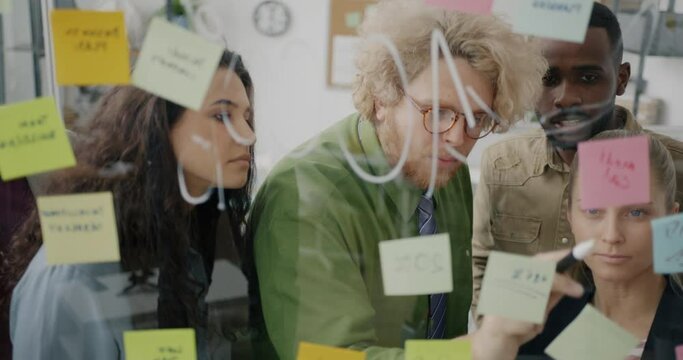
<point>317,226</point>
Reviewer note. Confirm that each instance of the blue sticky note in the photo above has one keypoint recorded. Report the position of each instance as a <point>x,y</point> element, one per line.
<point>667,244</point>
<point>553,19</point>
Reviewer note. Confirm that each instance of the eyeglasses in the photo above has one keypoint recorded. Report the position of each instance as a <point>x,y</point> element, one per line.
<point>483,123</point>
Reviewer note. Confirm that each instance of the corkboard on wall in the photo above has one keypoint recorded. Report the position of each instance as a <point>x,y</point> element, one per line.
<point>345,16</point>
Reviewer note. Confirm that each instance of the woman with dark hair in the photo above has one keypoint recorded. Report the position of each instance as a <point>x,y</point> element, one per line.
<point>162,163</point>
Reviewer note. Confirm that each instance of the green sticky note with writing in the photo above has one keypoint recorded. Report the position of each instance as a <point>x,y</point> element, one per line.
<point>592,336</point>
<point>438,350</point>
<point>32,139</point>
<point>176,344</point>
<point>416,266</point>
<point>516,287</point>
<point>176,64</point>
<point>79,228</point>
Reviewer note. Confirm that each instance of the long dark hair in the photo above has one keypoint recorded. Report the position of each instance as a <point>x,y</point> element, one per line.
<point>156,226</point>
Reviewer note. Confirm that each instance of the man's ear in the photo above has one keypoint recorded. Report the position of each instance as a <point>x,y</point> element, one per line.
<point>623,77</point>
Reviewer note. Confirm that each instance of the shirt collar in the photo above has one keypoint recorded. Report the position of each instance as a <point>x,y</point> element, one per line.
<point>402,192</point>
<point>551,158</point>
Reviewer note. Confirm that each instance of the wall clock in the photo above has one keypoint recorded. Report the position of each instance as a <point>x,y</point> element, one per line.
<point>272,18</point>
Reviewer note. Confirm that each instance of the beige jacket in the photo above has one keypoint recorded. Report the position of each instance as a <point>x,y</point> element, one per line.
<point>521,200</point>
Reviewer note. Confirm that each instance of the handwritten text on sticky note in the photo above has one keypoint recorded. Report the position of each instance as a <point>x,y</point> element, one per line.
<point>470,6</point>
<point>167,344</point>
<point>91,47</point>
<point>79,228</point>
<point>308,351</point>
<point>516,287</point>
<point>416,266</point>
<point>32,139</point>
<point>592,336</point>
<point>438,350</point>
<point>176,64</point>
<point>554,19</point>
<point>614,172</point>
<point>668,244</point>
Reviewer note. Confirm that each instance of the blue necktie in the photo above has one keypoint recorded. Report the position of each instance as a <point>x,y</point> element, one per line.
<point>437,302</point>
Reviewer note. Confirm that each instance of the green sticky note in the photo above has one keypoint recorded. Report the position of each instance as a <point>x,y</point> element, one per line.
<point>32,139</point>
<point>5,6</point>
<point>176,344</point>
<point>79,228</point>
<point>353,19</point>
<point>416,266</point>
<point>176,64</point>
<point>516,287</point>
<point>565,20</point>
<point>438,350</point>
<point>592,336</point>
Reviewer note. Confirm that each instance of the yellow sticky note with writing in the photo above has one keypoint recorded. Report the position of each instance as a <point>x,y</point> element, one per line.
<point>438,350</point>
<point>308,351</point>
<point>91,47</point>
<point>176,64</point>
<point>79,228</point>
<point>176,344</point>
<point>32,139</point>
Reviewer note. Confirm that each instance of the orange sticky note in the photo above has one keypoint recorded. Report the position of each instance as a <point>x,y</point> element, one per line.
<point>91,47</point>
<point>308,351</point>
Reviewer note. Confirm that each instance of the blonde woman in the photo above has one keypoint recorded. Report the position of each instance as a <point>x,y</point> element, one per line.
<point>618,276</point>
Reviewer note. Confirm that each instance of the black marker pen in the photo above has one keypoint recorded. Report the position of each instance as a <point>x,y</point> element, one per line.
<point>578,253</point>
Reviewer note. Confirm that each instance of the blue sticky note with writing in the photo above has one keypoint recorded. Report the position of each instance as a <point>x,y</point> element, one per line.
<point>667,244</point>
<point>553,19</point>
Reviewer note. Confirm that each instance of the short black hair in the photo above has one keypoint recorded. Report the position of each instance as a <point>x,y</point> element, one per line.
<point>603,17</point>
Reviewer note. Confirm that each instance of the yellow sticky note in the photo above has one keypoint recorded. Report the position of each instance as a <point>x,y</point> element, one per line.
<point>91,47</point>
<point>79,228</point>
<point>516,287</point>
<point>176,64</point>
<point>438,350</point>
<point>416,266</point>
<point>32,139</point>
<point>308,351</point>
<point>176,344</point>
<point>592,336</point>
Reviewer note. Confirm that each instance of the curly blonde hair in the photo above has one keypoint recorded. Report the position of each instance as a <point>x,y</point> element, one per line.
<point>513,63</point>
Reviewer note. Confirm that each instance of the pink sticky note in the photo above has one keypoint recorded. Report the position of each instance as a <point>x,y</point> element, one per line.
<point>679,352</point>
<point>470,6</point>
<point>614,172</point>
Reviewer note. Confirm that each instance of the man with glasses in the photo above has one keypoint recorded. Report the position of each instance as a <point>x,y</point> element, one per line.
<point>318,218</point>
<point>521,199</point>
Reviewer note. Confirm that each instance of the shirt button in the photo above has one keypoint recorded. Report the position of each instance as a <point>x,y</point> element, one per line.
<point>565,240</point>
